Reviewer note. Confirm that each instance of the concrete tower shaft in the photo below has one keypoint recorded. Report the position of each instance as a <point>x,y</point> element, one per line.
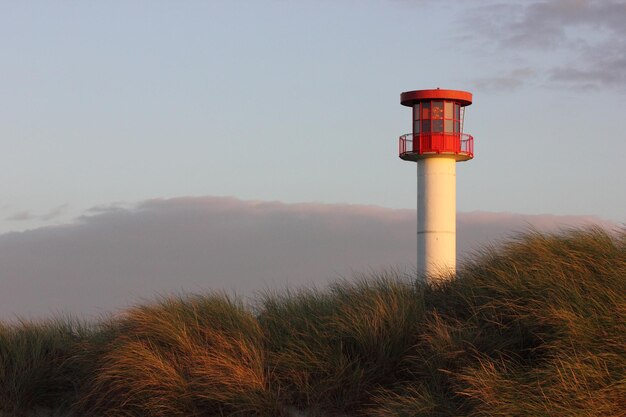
<point>436,216</point>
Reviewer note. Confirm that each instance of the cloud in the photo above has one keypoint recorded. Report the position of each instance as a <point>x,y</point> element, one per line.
<point>600,70</point>
<point>113,257</point>
<point>21,215</point>
<point>27,215</point>
<point>585,39</point>
<point>508,81</point>
<point>54,213</point>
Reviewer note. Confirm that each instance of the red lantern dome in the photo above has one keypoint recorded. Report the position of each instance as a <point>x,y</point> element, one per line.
<point>437,125</point>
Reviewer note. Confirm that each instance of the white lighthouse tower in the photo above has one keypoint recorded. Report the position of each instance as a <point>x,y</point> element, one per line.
<point>436,144</point>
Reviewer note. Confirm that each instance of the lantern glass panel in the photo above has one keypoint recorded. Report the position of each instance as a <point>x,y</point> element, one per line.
<point>437,110</point>
<point>447,109</point>
<point>426,126</point>
<point>416,112</point>
<point>416,126</point>
<point>425,110</point>
<point>437,126</point>
<point>447,126</point>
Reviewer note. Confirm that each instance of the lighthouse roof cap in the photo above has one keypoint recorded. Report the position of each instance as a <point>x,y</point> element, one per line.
<point>409,98</point>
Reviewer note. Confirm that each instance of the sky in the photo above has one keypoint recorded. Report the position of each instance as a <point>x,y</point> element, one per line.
<point>106,107</point>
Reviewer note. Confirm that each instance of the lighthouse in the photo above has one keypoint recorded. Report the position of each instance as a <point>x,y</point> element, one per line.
<point>437,143</point>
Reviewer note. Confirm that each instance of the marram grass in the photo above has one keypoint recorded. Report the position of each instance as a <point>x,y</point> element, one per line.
<point>534,327</point>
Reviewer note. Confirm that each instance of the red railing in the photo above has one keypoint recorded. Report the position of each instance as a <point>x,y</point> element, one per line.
<point>412,146</point>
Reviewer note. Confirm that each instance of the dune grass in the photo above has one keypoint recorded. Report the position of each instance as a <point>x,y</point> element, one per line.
<point>182,357</point>
<point>329,349</point>
<point>38,367</point>
<point>534,327</point>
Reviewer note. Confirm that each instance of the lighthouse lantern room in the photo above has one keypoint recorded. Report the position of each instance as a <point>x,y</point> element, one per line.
<point>436,144</point>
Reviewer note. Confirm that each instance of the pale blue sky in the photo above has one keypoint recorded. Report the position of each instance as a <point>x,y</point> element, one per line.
<point>122,101</point>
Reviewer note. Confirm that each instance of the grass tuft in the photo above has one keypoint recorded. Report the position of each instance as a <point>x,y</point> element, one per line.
<point>37,366</point>
<point>191,356</point>
<point>328,349</point>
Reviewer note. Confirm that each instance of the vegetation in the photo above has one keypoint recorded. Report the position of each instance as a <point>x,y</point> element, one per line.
<point>534,327</point>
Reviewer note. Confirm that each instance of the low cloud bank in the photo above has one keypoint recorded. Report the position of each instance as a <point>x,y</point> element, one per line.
<point>114,256</point>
